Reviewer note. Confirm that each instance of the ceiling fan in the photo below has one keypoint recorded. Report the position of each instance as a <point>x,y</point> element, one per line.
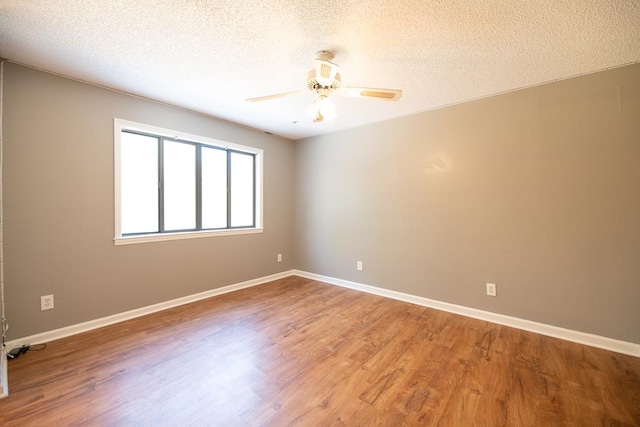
<point>324,79</point>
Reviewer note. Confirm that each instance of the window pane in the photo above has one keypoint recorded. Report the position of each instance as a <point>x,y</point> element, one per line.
<point>179,186</point>
<point>241,189</point>
<point>139,183</point>
<point>214,188</point>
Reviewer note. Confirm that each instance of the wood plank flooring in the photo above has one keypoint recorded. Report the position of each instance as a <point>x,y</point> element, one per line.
<point>301,352</point>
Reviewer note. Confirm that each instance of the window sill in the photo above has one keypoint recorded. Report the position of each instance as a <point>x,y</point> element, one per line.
<point>133,240</point>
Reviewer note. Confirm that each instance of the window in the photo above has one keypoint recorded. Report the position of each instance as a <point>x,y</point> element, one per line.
<point>173,186</point>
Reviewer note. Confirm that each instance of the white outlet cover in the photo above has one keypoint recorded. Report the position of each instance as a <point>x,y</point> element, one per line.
<point>491,289</point>
<point>46,302</point>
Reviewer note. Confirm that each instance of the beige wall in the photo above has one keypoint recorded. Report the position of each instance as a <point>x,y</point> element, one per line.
<point>540,193</point>
<point>58,198</point>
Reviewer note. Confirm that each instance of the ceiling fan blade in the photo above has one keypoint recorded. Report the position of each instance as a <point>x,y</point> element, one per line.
<point>277,95</point>
<point>370,92</point>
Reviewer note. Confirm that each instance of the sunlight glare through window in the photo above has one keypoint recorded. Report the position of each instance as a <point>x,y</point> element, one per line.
<point>179,186</point>
<point>242,190</point>
<point>214,188</point>
<point>139,177</point>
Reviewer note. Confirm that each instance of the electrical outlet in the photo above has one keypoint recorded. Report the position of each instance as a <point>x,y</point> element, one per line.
<point>359,266</point>
<point>491,289</point>
<point>279,257</point>
<point>46,302</point>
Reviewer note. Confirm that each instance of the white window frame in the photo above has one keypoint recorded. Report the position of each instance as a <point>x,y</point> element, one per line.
<point>119,239</point>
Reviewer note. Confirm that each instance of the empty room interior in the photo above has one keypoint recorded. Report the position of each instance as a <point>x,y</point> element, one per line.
<point>320,213</point>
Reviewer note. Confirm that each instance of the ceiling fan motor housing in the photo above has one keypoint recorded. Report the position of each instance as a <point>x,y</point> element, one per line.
<point>325,74</point>
<point>314,84</point>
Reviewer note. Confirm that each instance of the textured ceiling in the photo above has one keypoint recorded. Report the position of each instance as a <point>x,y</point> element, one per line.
<point>209,56</point>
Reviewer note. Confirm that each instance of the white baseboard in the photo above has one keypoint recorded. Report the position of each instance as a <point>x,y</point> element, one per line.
<point>120,317</point>
<point>605,343</point>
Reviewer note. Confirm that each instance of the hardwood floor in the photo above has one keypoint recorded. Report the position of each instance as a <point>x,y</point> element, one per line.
<point>297,351</point>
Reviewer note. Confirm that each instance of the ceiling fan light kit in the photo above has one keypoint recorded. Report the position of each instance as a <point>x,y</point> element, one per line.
<point>324,79</point>
<point>322,109</point>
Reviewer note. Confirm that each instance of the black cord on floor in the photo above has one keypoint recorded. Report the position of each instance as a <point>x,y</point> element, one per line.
<point>13,354</point>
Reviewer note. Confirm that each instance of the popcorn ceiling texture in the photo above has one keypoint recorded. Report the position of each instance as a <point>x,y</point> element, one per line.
<point>209,56</point>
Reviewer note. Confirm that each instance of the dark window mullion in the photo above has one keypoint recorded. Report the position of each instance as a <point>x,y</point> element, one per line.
<point>228,189</point>
<point>254,190</point>
<point>161,185</point>
<point>198,187</point>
